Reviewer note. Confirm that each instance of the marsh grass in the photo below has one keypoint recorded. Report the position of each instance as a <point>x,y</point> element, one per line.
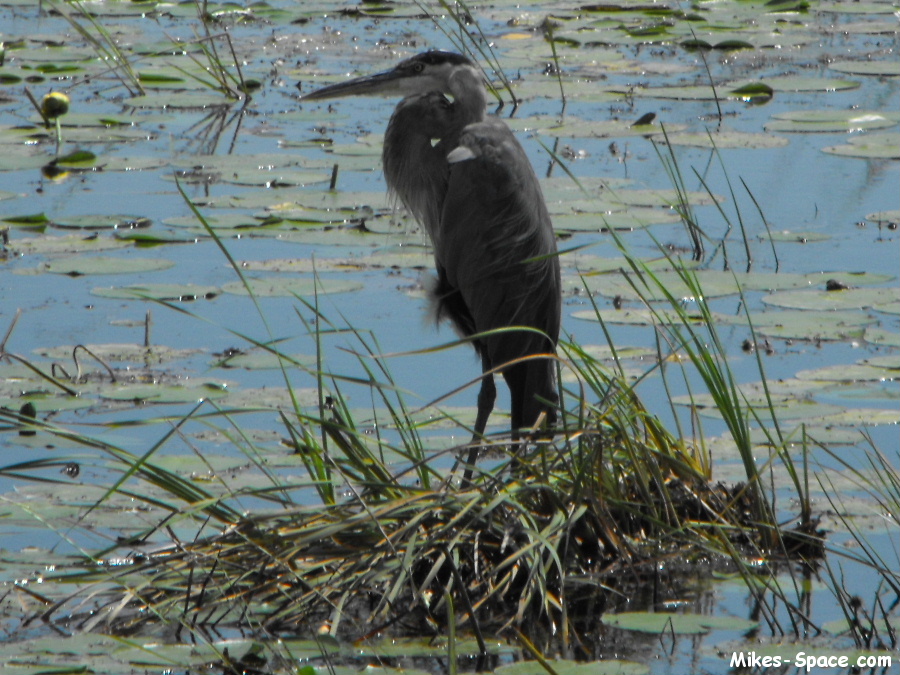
<point>217,64</point>
<point>541,536</point>
<point>101,41</point>
<point>542,541</point>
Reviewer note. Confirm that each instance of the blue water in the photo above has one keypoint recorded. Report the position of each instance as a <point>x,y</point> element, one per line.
<point>798,188</point>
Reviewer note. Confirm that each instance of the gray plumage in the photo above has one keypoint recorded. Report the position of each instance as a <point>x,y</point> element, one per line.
<point>466,179</point>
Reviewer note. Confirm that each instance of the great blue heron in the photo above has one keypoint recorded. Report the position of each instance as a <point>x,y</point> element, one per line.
<point>466,179</point>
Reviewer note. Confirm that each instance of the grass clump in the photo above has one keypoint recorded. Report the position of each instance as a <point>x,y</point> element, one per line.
<point>542,538</point>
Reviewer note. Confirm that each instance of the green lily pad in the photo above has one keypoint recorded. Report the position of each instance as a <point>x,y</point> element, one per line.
<point>26,219</point>
<point>786,324</point>
<point>260,359</point>
<point>679,624</point>
<point>855,8</point>
<point>889,307</point>
<point>851,298</point>
<point>47,403</point>
<point>355,237</point>
<point>100,222</point>
<point>712,283</point>
<point>858,372</point>
<point>877,335</point>
<point>635,218</point>
<point>163,393</point>
<point>275,178</point>
<point>869,146</point>
<point>890,216</point>
<point>131,353</point>
<point>301,214</point>
<point>788,236</point>
<point>167,292</point>
<point>863,417</point>
<point>180,99</point>
<point>143,239</point>
<point>564,667</point>
<point>98,265</point>
<point>806,83</point>
<point>222,221</point>
<point>75,158</point>
<point>810,121</point>
<point>290,286</point>
<point>803,324</point>
<point>333,200</point>
<point>70,243</point>
<point>884,67</point>
<point>727,139</point>
<point>377,260</point>
<point>273,398</point>
<point>603,129</point>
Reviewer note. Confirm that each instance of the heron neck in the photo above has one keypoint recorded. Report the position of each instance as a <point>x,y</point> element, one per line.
<point>416,172</point>
<point>469,95</point>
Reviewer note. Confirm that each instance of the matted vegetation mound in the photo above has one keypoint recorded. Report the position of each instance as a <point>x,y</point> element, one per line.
<point>597,512</point>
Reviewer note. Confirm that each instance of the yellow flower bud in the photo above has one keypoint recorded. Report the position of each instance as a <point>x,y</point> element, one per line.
<point>54,105</point>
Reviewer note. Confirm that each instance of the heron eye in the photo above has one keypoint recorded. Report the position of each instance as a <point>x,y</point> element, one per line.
<point>418,67</point>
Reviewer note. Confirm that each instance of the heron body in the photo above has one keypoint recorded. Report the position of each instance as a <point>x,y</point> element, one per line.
<point>466,179</point>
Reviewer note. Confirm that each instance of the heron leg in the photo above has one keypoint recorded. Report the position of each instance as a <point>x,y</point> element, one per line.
<point>486,397</point>
<point>530,384</point>
<point>517,380</point>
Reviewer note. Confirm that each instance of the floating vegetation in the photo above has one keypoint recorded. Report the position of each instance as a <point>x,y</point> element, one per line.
<point>536,541</point>
<point>235,496</point>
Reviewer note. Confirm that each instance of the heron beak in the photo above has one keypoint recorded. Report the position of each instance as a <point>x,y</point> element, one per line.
<point>387,83</point>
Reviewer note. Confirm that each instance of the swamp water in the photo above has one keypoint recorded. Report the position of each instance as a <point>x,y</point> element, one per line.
<point>95,230</point>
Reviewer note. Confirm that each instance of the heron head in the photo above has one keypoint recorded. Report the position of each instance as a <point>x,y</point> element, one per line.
<point>430,71</point>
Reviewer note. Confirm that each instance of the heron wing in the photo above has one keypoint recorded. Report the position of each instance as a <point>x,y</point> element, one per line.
<point>495,244</point>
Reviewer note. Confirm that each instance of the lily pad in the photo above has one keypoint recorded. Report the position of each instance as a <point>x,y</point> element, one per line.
<point>807,325</point>
<point>883,67</point>
<point>223,221</point>
<point>877,335</point>
<point>377,260</point>
<point>100,222</point>
<point>818,121</point>
<point>564,667</point>
<point>273,398</point>
<point>858,372</point>
<point>167,292</point>
<point>163,393</point>
<point>869,146</point>
<point>47,403</point>
<point>180,99</point>
<point>727,139</point>
<point>712,283</point>
<point>795,237</point>
<point>679,624</point>
<point>68,244</point>
<point>890,216</point>
<point>82,265</point>
<point>133,353</point>
<point>635,218</point>
<point>290,286</point>
<point>851,298</point>
<point>863,417</point>
<point>26,219</point>
<point>260,359</point>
